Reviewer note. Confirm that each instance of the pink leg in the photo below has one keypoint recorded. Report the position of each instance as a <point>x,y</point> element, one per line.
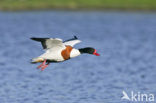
<point>41,65</point>
<point>44,66</point>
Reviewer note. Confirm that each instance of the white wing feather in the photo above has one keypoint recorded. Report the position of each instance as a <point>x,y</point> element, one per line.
<point>54,43</point>
<point>72,42</point>
<point>54,49</point>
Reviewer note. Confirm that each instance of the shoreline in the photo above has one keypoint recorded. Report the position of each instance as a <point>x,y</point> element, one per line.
<point>74,5</point>
<point>78,9</point>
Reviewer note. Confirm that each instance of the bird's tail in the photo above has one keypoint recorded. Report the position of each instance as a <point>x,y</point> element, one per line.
<point>37,60</point>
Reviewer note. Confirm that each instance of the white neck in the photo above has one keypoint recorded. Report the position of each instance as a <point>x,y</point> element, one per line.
<point>74,53</point>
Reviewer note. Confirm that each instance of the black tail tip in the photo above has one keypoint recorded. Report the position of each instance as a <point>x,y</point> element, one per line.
<point>33,62</point>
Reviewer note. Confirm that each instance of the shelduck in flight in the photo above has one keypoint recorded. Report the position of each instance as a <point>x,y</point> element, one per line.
<point>58,51</point>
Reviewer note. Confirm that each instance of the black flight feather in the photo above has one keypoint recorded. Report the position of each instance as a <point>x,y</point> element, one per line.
<point>42,40</point>
<point>75,38</point>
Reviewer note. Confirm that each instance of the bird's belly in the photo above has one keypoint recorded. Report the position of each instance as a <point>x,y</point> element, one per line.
<point>53,56</point>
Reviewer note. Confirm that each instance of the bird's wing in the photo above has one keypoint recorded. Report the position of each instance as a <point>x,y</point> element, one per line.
<point>72,41</point>
<point>50,43</point>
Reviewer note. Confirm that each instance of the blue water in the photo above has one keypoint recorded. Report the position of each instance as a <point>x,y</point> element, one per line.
<point>125,40</point>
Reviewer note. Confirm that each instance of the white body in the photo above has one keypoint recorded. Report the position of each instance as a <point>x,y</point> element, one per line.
<point>56,55</point>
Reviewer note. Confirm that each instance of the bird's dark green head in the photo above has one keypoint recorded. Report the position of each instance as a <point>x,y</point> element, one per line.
<point>89,50</point>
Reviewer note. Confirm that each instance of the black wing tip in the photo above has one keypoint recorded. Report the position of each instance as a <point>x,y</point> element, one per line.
<point>32,38</point>
<point>75,37</point>
<point>39,39</point>
<point>36,39</point>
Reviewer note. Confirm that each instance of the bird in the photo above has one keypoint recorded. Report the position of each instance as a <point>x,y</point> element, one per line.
<point>57,50</point>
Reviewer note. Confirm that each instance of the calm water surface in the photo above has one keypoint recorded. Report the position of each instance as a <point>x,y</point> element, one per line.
<point>125,40</point>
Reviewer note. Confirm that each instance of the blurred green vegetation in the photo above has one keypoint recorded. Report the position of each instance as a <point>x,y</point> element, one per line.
<point>77,4</point>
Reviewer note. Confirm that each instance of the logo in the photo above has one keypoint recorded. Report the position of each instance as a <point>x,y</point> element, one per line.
<point>137,96</point>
